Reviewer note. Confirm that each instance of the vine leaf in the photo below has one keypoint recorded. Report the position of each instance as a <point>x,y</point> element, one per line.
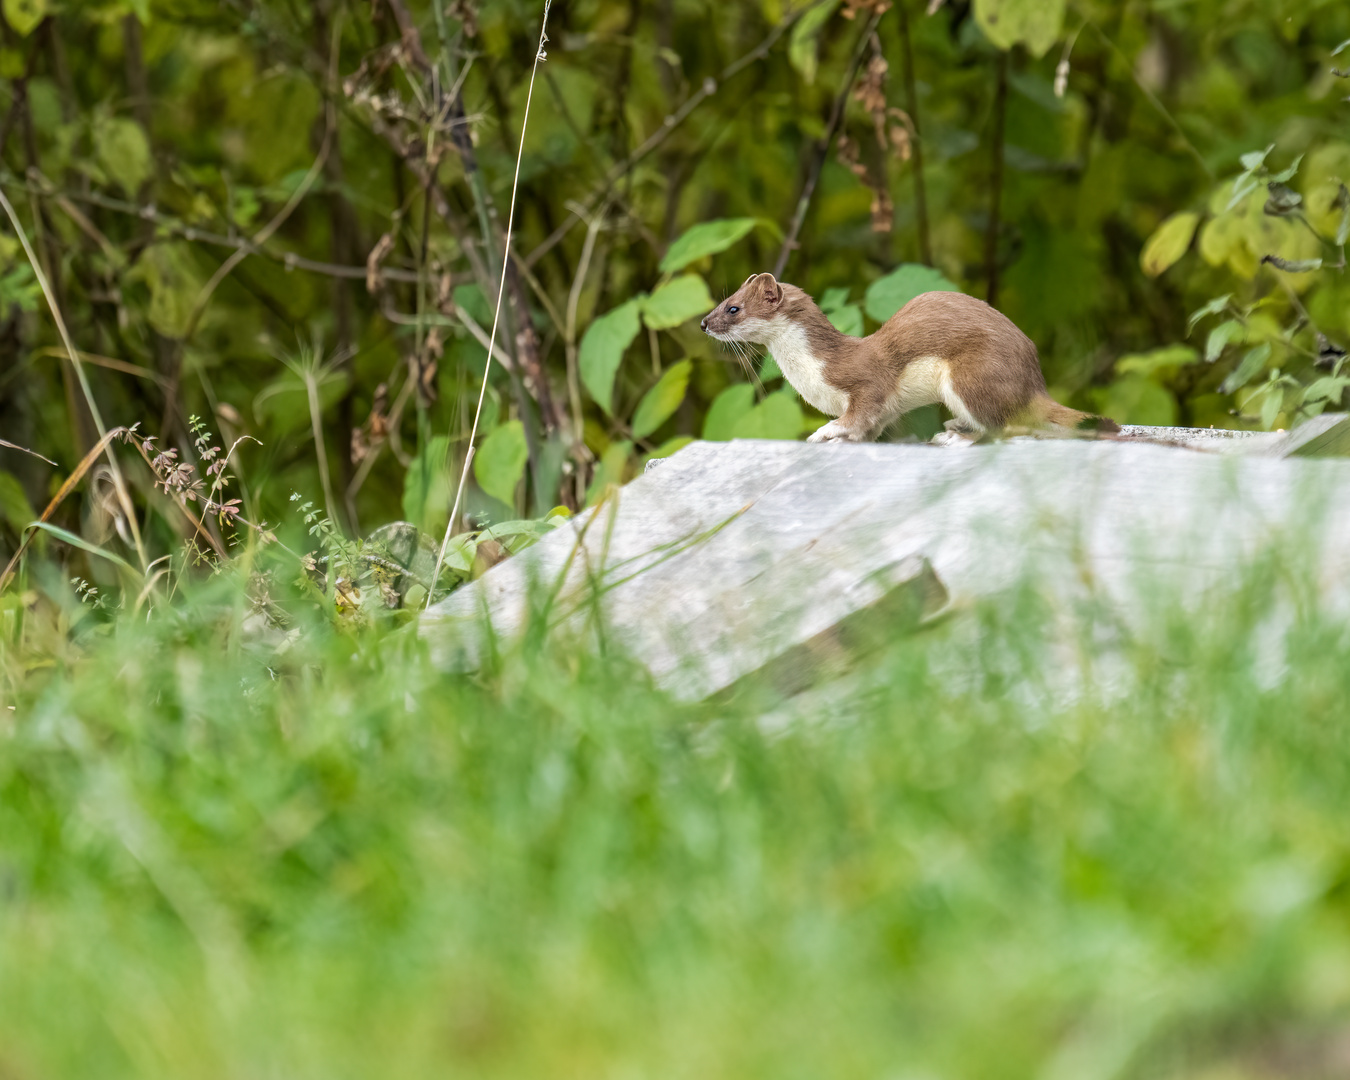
<point>1218,304</point>
<point>676,302</point>
<point>23,16</point>
<point>778,416</point>
<point>803,46</point>
<point>726,412</point>
<point>1252,365</point>
<point>705,238</point>
<point>1220,338</point>
<point>889,294</point>
<point>1037,24</point>
<point>124,152</point>
<point>1169,242</point>
<point>660,402</point>
<point>602,350</point>
<point>500,461</point>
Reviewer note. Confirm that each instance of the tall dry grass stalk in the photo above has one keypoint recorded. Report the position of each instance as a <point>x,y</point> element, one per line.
<point>119,482</point>
<point>539,55</point>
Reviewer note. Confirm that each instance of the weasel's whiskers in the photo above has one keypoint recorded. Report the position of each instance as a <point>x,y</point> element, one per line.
<point>745,358</point>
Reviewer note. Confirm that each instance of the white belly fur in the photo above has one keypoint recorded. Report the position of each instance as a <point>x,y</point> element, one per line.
<point>927,380</point>
<point>801,367</point>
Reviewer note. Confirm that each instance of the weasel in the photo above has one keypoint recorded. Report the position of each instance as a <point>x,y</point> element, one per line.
<point>940,348</point>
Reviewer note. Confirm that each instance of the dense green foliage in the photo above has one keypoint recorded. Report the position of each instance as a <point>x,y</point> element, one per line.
<point>362,155</point>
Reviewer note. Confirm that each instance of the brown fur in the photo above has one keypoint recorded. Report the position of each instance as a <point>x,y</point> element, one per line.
<point>987,368</point>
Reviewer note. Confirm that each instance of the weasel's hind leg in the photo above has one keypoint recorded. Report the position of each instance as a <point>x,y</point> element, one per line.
<point>963,420</point>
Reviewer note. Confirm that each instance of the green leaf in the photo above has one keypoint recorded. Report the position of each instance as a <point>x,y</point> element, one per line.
<point>1169,243</point>
<point>516,536</point>
<point>778,416</point>
<point>803,49</point>
<point>889,294</point>
<point>1252,365</point>
<point>19,288</point>
<point>706,238</point>
<point>124,152</point>
<point>727,410</point>
<point>1270,408</point>
<point>14,505</point>
<point>1218,304</point>
<point>847,320</point>
<point>1285,175</point>
<point>426,488</point>
<point>1133,399</point>
<point>23,16</point>
<point>1221,337</point>
<point>833,299</point>
<point>602,349</point>
<point>676,302</point>
<point>170,271</point>
<point>1256,158</point>
<point>460,553</point>
<point>1242,187</point>
<point>470,298</point>
<point>81,543</point>
<point>500,461</point>
<point>1158,363</point>
<point>660,402</point>
<point>1328,388</point>
<point>1037,24</point>
<point>1343,200</point>
<point>613,464</point>
<point>769,369</point>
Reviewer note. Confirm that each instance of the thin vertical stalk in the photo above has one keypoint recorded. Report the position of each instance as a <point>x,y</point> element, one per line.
<point>119,483</point>
<point>497,310</point>
<point>320,449</point>
<point>823,150</point>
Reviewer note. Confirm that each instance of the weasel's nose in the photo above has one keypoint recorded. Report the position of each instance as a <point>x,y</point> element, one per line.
<point>704,324</point>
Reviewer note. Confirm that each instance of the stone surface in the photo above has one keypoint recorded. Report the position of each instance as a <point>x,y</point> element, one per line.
<point>1216,440</point>
<point>731,555</point>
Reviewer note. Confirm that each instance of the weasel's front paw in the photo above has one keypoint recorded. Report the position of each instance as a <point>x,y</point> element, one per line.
<point>952,437</point>
<point>834,431</point>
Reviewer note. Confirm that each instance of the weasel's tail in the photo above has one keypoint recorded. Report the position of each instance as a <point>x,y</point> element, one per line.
<point>1046,410</point>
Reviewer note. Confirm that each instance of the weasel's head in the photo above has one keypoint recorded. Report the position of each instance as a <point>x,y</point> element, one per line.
<point>751,313</point>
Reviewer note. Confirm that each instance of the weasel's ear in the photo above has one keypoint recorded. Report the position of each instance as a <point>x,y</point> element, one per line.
<point>770,289</point>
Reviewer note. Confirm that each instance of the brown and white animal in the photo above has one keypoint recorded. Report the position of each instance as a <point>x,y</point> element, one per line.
<point>940,348</point>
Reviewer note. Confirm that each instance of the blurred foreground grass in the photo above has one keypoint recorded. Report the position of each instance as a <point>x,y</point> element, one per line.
<point>1006,852</point>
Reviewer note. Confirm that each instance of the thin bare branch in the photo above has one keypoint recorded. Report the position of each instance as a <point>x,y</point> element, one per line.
<point>823,149</point>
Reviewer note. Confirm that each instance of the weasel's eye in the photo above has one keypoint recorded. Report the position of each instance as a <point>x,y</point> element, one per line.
<point>732,310</point>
